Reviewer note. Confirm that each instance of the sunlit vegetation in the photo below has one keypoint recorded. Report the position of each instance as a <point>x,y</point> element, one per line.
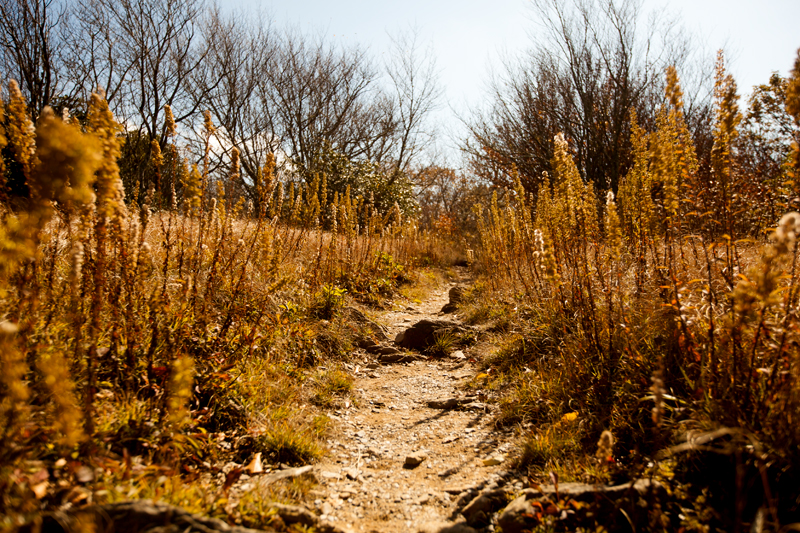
<point>172,337</point>
<point>665,315</point>
<point>189,256</point>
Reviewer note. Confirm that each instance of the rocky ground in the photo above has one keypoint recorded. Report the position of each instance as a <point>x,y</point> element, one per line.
<point>412,447</point>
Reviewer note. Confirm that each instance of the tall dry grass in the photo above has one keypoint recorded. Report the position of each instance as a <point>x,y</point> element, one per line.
<point>161,335</point>
<point>662,315</point>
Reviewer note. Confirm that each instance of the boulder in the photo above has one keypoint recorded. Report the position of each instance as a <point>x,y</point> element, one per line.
<point>478,511</point>
<point>524,512</point>
<point>456,295</point>
<point>423,334</point>
<point>139,516</point>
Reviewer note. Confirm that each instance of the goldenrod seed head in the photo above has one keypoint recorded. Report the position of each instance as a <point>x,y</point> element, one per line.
<point>155,154</point>
<point>785,234</point>
<point>207,123</point>
<point>605,446</point>
<point>169,121</point>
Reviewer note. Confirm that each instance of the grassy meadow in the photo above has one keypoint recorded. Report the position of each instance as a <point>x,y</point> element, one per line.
<point>143,348</point>
<point>147,341</point>
<point>658,335</point>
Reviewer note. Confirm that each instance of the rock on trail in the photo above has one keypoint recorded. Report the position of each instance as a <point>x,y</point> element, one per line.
<point>423,334</point>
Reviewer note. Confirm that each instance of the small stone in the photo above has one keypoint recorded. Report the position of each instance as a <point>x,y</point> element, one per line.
<point>445,527</point>
<point>448,472</point>
<point>84,474</point>
<point>475,406</point>
<point>415,459</point>
<point>255,466</point>
<point>493,460</point>
<point>483,505</point>
<point>448,403</point>
<point>372,347</point>
<point>397,358</point>
<point>295,514</point>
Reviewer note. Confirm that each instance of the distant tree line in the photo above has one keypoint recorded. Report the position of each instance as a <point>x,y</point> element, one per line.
<point>271,92</point>
<point>594,65</point>
<point>299,106</point>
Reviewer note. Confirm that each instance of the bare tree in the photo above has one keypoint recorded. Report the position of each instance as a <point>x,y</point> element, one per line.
<point>229,85</point>
<point>416,92</point>
<point>593,63</point>
<point>282,93</point>
<point>30,48</point>
<point>93,57</point>
<point>144,54</point>
<point>319,95</point>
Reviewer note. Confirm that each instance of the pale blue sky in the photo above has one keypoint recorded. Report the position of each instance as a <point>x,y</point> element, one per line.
<point>469,37</point>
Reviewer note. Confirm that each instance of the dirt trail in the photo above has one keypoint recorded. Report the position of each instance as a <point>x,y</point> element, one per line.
<point>365,485</point>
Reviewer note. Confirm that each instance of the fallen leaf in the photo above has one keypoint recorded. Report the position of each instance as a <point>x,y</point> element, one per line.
<point>84,474</point>
<point>38,477</point>
<point>77,496</point>
<point>255,466</point>
<point>570,417</point>
<point>40,490</point>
